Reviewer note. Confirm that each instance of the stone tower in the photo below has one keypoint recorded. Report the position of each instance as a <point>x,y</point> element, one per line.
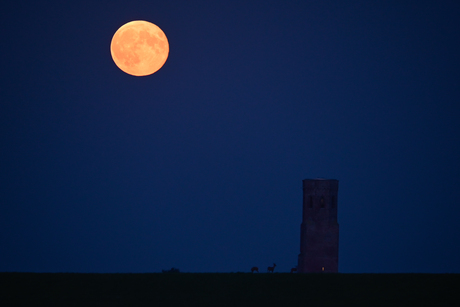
<point>319,231</point>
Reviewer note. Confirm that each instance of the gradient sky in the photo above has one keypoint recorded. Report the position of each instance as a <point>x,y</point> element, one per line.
<point>200,165</point>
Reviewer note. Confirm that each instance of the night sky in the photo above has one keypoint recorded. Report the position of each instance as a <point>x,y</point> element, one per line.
<point>200,165</point>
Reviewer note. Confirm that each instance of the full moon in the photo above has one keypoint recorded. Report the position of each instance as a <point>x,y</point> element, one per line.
<point>139,48</point>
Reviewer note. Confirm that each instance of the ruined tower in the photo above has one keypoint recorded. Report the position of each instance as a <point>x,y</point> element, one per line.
<point>319,231</point>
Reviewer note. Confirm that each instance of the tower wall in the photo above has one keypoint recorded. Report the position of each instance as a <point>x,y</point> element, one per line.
<point>319,231</point>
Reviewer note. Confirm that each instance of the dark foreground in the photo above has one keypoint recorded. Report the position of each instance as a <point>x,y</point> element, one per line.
<point>229,289</point>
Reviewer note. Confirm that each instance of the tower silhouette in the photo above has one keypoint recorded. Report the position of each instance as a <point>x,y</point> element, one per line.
<point>319,231</point>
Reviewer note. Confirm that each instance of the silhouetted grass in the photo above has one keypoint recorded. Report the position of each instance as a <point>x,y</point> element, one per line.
<point>228,289</point>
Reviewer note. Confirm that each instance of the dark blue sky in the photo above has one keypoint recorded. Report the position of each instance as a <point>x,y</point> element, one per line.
<point>200,165</point>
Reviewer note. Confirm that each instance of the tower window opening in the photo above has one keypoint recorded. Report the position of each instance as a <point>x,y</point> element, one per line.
<point>333,202</point>
<point>310,204</point>
<point>322,202</point>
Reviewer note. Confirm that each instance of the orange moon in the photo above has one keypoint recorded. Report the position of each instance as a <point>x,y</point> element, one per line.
<point>139,48</point>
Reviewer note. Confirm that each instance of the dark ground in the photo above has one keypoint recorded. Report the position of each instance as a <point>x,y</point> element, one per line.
<point>228,289</point>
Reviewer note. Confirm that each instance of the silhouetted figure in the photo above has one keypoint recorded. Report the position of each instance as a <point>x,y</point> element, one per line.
<point>294,270</point>
<point>271,268</point>
<point>254,269</point>
<point>173,270</point>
